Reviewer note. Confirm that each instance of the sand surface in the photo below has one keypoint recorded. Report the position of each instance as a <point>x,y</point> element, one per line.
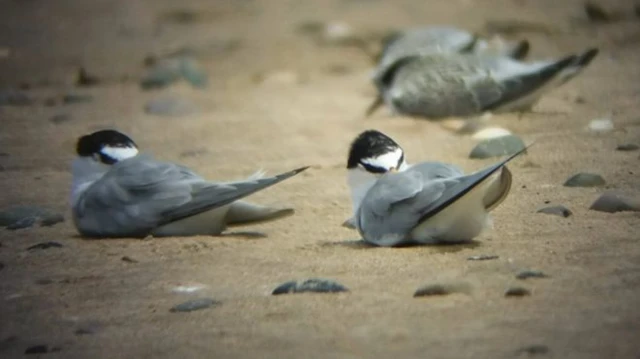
<point>277,100</point>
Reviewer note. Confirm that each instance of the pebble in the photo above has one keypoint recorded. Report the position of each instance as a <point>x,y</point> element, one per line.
<point>167,71</point>
<point>128,259</point>
<point>627,147</point>
<point>40,349</point>
<point>612,202</point>
<point>440,289</point>
<point>517,292</point>
<point>557,210</point>
<point>193,73</point>
<point>536,349</point>
<point>526,274</point>
<point>19,216</point>
<point>490,133</point>
<point>60,118</point>
<point>483,257</point>
<point>601,125</point>
<point>171,106</point>
<point>495,147</point>
<point>69,99</point>
<point>84,79</point>
<point>585,179</point>
<point>1,266</point>
<point>195,304</point>
<point>314,285</point>
<point>14,98</point>
<point>45,245</point>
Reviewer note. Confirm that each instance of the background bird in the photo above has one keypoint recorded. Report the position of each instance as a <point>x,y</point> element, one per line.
<point>117,192</point>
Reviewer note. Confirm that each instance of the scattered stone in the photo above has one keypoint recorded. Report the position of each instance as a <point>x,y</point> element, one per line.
<point>14,98</point>
<point>314,285</point>
<point>483,257</point>
<point>495,147</point>
<point>44,281</point>
<point>490,133</point>
<point>70,99</point>
<point>45,245</point>
<point>526,274</point>
<point>128,259</point>
<point>171,106</point>
<point>60,118</point>
<point>558,210</point>
<point>20,216</point>
<point>162,74</point>
<point>585,179</point>
<point>22,223</point>
<point>517,292</point>
<point>195,304</point>
<point>1,266</point>
<point>193,153</point>
<point>536,349</point>
<point>37,349</point>
<point>84,79</point>
<point>612,202</point>
<point>595,13</point>
<point>627,147</point>
<point>601,125</point>
<point>440,290</point>
<point>193,73</point>
<point>88,328</point>
<point>187,288</point>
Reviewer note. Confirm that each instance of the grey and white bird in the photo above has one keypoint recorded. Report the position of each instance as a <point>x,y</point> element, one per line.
<point>118,192</point>
<point>427,40</point>
<point>395,203</point>
<point>447,84</point>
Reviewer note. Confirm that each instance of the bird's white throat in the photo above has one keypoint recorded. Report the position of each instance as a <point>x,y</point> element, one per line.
<point>360,181</point>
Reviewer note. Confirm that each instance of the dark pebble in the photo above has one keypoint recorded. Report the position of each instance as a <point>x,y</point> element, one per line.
<point>61,118</point>
<point>558,210</point>
<point>612,202</point>
<point>51,220</point>
<point>627,147</point>
<point>526,274</point>
<point>9,216</point>
<point>595,13</point>
<point>75,98</point>
<point>44,281</point>
<point>45,245</point>
<point>536,349</point>
<point>22,223</point>
<point>128,259</point>
<point>1,266</point>
<point>195,304</point>
<point>161,75</point>
<point>37,349</point>
<point>585,179</point>
<point>483,257</point>
<point>517,292</point>
<point>314,285</point>
<point>84,79</point>
<point>440,290</point>
<point>14,98</point>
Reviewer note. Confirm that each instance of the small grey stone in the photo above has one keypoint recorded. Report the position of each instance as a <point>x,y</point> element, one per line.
<point>536,349</point>
<point>627,147</point>
<point>193,73</point>
<point>14,98</point>
<point>162,74</point>
<point>195,304</point>
<point>69,99</point>
<point>517,292</point>
<point>315,285</point>
<point>128,259</point>
<point>26,222</point>
<point>499,146</point>
<point>526,274</point>
<point>483,257</point>
<point>171,106</point>
<point>44,281</point>
<point>51,219</point>
<point>585,179</point>
<point>612,202</point>
<point>45,245</point>
<point>558,210</point>
<point>60,118</point>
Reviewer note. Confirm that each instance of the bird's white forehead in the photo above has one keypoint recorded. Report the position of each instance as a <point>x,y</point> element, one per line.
<point>387,160</point>
<point>119,153</point>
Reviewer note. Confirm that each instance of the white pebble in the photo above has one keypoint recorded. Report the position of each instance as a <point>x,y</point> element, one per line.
<point>187,288</point>
<point>337,31</point>
<point>490,132</point>
<point>601,125</point>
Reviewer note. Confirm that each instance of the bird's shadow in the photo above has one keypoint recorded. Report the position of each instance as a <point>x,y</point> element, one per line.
<point>438,247</point>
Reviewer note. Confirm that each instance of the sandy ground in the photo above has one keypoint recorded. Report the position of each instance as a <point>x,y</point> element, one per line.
<point>306,113</point>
